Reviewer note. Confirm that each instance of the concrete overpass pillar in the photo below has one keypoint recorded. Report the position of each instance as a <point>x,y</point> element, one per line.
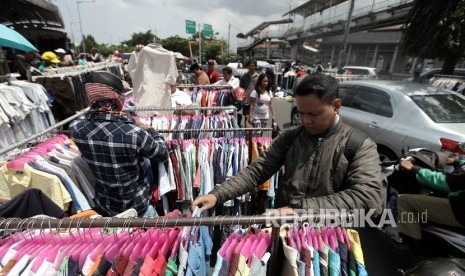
<point>375,56</point>
<point>294,52</point>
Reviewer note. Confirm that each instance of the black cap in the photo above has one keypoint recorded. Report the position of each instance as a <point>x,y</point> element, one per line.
<point>106,78</point>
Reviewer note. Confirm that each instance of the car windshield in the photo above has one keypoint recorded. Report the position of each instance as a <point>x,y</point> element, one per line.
<point>442,108</point>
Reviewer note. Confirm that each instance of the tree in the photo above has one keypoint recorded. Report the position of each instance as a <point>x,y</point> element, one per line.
<point>89,41</point>
<point>140,38</point>
<point>436,29</point>
<point>176,44</point>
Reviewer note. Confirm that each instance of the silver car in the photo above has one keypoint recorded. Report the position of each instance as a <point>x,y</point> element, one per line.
<point>398,114</point>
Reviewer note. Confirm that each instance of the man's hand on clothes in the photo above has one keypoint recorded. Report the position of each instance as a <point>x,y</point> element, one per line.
<point>204,202</point>
<point>406,164</point>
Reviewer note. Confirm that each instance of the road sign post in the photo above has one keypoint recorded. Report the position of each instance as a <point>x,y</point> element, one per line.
<point>207,30</point>
<point>190,27</point>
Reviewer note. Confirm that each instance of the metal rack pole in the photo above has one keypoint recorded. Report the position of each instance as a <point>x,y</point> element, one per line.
<point>275,221</point>
<point>203,86</point>
<point>213,129</point>
<point>43,132</point>
<point>199,108</point>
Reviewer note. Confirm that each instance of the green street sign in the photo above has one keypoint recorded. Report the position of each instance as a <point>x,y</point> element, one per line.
<point>207,30</point>
<point>190,27</point>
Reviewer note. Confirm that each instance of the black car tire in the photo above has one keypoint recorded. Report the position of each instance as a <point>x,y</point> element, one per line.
<point>386,154</point>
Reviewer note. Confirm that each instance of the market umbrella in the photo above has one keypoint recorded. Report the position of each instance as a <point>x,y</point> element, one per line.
<point>13,39</point>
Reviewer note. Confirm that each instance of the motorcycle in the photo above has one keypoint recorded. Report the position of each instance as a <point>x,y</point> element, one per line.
<point>449,240</point>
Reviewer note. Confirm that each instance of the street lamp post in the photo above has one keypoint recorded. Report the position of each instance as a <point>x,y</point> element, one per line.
<point>80,22</point>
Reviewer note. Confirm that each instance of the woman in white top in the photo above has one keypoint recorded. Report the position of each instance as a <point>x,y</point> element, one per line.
<point>261,102</point>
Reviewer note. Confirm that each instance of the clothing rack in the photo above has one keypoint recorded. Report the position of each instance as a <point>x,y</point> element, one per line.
<point>75,70</point>
<point>199,108</point>
<point>203,86</point>
<point>9,77</point>
<point>214,129</point>
<point>109,222</point>
<point>43,132</point>
<point>346,219</point>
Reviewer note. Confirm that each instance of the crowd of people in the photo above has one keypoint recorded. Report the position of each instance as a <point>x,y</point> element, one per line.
<point>28,64</point>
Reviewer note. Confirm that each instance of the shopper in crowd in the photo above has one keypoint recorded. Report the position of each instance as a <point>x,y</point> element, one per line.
<point>200,78</point>
<point>49,61</point>
<point>261,104</point>
<point>117,57</point>
<point>248,82</point>
<point>96,57</point>
<point>213,76</point>
<point>446,211</point>
<point>65,59</point>
<point>115,148</point>
<point>82,59</point>
<point>317,173</point>
<point>22,64</point>
<point>228,78</point>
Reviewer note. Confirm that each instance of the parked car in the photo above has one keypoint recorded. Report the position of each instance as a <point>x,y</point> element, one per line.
<point>398,114</point>
<point>355,73</point>
<point>426,76</point>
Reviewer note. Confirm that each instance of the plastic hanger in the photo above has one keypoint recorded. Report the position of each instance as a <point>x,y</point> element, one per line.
<point>230,250</point>
<point>17,164</point>
<point>165,250</point>
<point>175,249</point>
<point>246,249</point>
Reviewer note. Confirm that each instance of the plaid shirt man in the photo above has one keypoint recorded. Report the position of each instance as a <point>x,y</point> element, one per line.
<point>114,148</point>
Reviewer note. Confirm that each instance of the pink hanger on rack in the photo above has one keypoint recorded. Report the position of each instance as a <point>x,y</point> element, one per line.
<point>332,238</point>
<point>264,240</point>
<point>17,164</point>
<point>324,234</point>
<point>175,249</point>
<point>231,248</point>
<point>165,250</point>
<point>297,238</point>
<point>246,250</point>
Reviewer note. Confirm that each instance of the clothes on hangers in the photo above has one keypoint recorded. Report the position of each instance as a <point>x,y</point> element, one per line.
<point>24,110</point>
<point>317,251</point>
<point>154,72</point>
<point>67,88</point>
<point>50,167</point>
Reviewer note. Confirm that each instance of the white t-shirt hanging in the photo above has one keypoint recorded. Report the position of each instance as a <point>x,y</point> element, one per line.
<point>154,72</point>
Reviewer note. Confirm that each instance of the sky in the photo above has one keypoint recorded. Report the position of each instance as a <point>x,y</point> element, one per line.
<point>113,21</point>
